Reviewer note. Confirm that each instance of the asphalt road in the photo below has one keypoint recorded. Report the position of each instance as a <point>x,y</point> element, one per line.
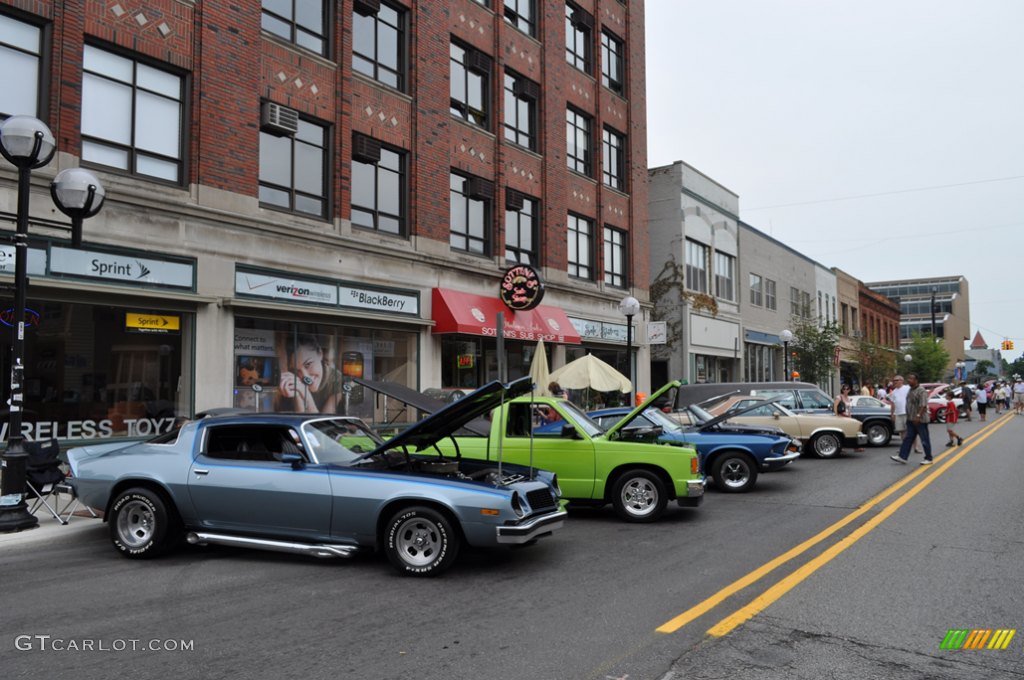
<point>586,604</point>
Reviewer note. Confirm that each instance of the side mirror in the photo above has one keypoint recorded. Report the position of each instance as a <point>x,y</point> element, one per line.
<point>568,432</point>
<point>293,459</point>
<point>776,415</point>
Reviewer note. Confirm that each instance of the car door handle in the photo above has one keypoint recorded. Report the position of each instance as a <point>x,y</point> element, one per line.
<point>200,473</point>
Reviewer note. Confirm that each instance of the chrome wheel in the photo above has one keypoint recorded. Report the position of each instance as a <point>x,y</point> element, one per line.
<point>419,541</point>
<point>639,497</point>
<point>827,445</point>
<point>878,434</point>
<point>136,524</point>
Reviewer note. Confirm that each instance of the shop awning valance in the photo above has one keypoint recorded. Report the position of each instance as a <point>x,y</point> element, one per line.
<point>458,312</point>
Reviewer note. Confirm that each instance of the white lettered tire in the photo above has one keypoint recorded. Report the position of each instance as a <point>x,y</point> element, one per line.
<point>141,524</point>
<point>420,541</point>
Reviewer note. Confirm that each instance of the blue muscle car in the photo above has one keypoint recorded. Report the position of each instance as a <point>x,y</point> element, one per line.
<point>317,485</point>
<point>731,454</point>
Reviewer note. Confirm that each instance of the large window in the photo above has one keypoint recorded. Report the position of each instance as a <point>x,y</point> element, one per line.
<point>581,247</point>
<point>379,193</point>
<point>769,294</point>
<point>725,267</point>
<point>378,45</point>
<point>522,15</point>
<point>579,26</point>
<point>470,77</point>
<point>93,376</point>
<point>612,67</point>
<point>310,367</point>
<point>470,214</point>
<point>578,140</point>
<point>794,302</point>
<point>292,170</point>
<point>696,266</point>
<point>521,231</point>
<point>521,110</point>
<point>615,258</point>
<point>299,21</point>
<point>19,67</point>
<point>756,289</point>
<point>614,155</point>
<point>131,116</point>
<point>760,363</point>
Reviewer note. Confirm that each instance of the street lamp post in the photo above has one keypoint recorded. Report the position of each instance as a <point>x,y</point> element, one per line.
<point>28,144</point>
<point>630,307</point>
<point>786,336</point>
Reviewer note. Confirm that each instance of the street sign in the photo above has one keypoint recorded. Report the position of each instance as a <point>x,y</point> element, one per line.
<point>138,322</point>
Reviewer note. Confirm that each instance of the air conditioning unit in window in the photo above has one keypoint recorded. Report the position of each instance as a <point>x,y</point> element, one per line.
<point>278,120</point>
<point>479,188</point>
<point>366,7</point>
<point>479,62</point>
<point>365,149</point>
<point>527,89</point>
<point>513,200</point>
<point>582,19</point>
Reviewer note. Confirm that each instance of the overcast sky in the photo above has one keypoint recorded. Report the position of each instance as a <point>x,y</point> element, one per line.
<point>793,104</point>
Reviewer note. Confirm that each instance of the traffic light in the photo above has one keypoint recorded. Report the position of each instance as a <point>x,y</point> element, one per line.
<point>1007,345</point>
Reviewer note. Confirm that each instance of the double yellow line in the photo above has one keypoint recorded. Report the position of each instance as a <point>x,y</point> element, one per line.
<point>776,591</point>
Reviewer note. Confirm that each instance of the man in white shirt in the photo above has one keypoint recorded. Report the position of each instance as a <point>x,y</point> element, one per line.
<point>1018,396</point>
<point>898,397</point>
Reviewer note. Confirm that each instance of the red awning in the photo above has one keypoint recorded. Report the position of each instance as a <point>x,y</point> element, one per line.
<point>457,312</point>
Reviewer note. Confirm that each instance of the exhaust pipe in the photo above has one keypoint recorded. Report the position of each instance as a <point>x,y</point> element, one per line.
<point>314,550</point>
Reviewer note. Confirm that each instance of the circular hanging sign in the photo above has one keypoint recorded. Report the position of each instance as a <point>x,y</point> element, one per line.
<point>521,288</point>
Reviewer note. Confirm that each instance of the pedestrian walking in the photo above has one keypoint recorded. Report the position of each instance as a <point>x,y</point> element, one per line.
<point>1018,396</point>
<point>981,398</point>
<point>865,391</point>
<point>898,405</point>
<point>952,415</point>
<point>917,422</point>
<point>967,395</point>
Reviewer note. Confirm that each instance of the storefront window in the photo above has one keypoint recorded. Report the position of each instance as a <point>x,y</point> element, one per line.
<point>309,368</point>
<point>468,362</point>
<point>95,371</point>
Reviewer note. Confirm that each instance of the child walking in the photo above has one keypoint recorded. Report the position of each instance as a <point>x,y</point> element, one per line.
<point>952,416</point>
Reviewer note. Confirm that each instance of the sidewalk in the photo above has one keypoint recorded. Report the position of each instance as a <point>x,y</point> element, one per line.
<point>50,530</point>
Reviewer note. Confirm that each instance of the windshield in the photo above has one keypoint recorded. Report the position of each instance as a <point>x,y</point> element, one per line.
<point>662,420</point>
<point>339,441</point>
<point>580,419</point>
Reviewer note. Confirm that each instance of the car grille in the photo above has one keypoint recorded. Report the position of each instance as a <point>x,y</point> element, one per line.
<point>540,499</point>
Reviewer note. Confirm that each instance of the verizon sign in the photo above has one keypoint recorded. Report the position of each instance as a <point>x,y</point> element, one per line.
<point>285,288</point>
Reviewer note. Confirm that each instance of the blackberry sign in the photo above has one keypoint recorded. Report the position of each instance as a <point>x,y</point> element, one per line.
<point>521,288</point>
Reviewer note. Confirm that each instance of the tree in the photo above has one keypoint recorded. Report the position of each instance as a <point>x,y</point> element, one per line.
<point>983,368</point>
<point>929,358</point>
<point>814,349</point>
<point>877,363</point>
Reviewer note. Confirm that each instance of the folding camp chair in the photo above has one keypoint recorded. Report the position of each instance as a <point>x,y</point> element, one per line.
<point>44,478</point>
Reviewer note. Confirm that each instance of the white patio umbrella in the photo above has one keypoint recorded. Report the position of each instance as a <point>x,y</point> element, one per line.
<point>590,372</point>
<point>539,371</point>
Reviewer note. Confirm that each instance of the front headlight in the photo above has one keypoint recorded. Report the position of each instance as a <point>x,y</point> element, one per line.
<point>517,505</point>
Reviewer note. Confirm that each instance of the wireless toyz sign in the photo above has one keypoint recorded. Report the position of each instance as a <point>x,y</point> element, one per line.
<point>92,429</point>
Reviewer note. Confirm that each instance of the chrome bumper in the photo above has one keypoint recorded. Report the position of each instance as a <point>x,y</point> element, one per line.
<point>862,439</point>
<point>694,493</point>
<point>532,528</point>
<point>793,455</point>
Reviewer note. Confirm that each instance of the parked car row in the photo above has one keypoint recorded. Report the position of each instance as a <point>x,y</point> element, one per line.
<point>328,486</point>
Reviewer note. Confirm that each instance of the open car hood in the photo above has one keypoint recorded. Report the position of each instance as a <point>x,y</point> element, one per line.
<point>610,432</point>
<point>732,414</point>
<point>420,402</point>
<point>448,420</point>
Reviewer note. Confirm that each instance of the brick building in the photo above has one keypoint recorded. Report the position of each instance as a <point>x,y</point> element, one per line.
<point>303,192</point>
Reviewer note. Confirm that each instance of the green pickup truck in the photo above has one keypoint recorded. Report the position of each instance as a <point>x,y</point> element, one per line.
<point>637,477</point>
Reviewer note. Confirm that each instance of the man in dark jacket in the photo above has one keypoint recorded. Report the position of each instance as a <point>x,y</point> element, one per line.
<point>917,422</point>
<point>968,397</point>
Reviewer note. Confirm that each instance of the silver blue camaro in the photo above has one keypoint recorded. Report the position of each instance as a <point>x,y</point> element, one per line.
<point>318,485</point>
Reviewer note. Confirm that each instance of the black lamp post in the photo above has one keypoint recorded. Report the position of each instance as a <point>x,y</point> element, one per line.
<point>630,307</point>
<point>28,144</point>
<point>786,336</point>
<point>933,312</point>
